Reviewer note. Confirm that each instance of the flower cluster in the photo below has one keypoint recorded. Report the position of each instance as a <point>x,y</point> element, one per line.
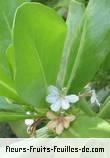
<point>60,102</point>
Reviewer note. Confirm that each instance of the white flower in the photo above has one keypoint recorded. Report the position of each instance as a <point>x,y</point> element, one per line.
<point>29,122</point>
<point>58,100</point>
<point>94,99</point>
<point>28,113</point>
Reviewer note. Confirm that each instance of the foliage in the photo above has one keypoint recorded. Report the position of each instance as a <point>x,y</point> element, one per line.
<point>38,48</point>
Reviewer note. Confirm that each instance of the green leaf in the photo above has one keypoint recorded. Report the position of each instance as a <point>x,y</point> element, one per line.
<point>105,109</point>
<point>86,107</point>
<point>38,44</point>
<point>8,106</point>
<point>61,3</point>
<point>11,60</point>
<point>16,127</point>
<point>11,116</point>
<point>7,83</point>
<point>7,87</point>
<point>93,45</point>
<point>87,127</point>
<point>7,11</point>
<point>75,14</point>
<point>106,64</point>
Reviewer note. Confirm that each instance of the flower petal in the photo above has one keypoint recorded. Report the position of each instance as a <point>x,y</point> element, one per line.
<point>51,116</point>
<point>52,124</point>
<point>72,98</point>
<point>28,112</point>
<point>59,128</point>
<point>70,118</point>
<point>56,106</point>
<point>97,102</point>
<point>66,123</point>
<point>29,122</point>
<point>93,97</point>
<point>65,104</point>
<point>53,90</point>
<point>51,99</point>
<point>93,100</point>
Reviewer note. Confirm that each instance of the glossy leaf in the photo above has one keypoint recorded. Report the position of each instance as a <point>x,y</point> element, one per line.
<point>93,46</point>
<point>7,11</point>
<point>105,109</point>
<point>38,44</point>
<point>61,3</point>
<point>106,64</point>
<point>16,126</point>
<point>87,127</point>
<point>7,87</point>
<point>11,60</point>
<point>85,107</point>
<point>75,14</point>
<point>8,106</point>
<point>11,116</point>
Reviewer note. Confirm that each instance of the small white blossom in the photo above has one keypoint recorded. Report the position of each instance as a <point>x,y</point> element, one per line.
<point>58,100</point>
<point>28,113</point>
<point>94,99</point>
<point>29,122</point>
